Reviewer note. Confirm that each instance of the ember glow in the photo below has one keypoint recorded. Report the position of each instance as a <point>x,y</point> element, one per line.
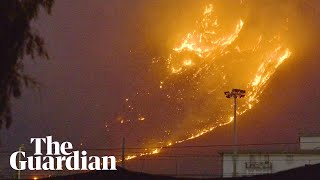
<point>188,100</point>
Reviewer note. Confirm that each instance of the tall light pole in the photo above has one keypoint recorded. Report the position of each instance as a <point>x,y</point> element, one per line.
<point>21,147</point>
<point>235,93</point>
<point>122,155</point>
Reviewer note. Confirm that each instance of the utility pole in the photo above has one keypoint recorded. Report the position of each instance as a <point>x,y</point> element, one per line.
<point>123,157</point>
<point>19,164</point>
<point>235,93</point>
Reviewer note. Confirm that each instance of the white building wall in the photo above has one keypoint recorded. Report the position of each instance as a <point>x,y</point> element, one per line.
<point>280,162</point>
<point>309,143</point>
<point>284,162</point>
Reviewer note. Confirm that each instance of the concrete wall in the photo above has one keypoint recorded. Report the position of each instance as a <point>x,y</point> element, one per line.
<point>280,162</point>
<point>309,143</point>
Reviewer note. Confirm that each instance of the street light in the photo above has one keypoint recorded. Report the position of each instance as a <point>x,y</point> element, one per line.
<point>235,93</point>
<point>19,164</point>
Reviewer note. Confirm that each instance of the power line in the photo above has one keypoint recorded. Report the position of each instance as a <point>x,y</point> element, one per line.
<point>181,147</point>
<point>197,146</point>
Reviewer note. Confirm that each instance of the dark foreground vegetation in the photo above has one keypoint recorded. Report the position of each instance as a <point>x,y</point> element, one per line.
<point>311,172</point>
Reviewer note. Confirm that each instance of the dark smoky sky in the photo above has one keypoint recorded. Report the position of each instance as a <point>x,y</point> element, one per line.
<point>99,50</point>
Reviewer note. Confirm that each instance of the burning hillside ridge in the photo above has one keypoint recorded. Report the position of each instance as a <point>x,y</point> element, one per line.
<point>239,48</point>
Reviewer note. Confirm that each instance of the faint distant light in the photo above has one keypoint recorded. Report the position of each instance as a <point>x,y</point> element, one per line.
<point>141,118</point>
<point>161,83</point>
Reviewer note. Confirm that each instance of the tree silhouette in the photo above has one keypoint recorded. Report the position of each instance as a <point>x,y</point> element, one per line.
<point>17,40</point>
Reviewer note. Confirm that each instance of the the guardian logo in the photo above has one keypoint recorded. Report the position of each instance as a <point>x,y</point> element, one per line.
<point>59,157</point>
